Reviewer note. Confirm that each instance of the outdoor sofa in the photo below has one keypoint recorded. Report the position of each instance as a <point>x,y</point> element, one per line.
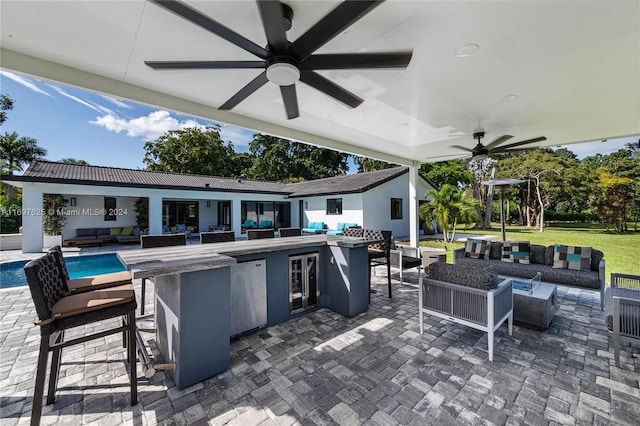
<point>522,259</point>
<point>126,234</point>
<point>313,228</point>
<point>467,295</point>
<point>340,228</point>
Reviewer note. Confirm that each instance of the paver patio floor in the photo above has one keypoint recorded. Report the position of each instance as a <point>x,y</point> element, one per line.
<point>323,368</point>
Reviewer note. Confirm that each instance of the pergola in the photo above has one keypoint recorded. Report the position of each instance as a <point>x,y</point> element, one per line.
<point>567,70</point>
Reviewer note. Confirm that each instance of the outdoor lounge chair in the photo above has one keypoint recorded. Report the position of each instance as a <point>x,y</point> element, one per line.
<point>265,224</point>
<point>58,312</point>
<point>156,241</point>
<point>340,228</point>
<point>217,237</point>
<point>249,224</point>
<point>624,321</point>
<point>94,282</point>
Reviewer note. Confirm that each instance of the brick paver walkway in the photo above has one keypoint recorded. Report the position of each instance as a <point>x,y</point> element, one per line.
<point>323,368</point>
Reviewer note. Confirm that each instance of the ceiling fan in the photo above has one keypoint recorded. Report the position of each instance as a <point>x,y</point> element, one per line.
<point>493,149</point>
<point>286,62</point>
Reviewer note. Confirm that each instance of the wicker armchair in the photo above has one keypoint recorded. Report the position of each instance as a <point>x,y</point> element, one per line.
<point>379,252</point>
<point>290,232</point>
<point>255,234</point>
<point>624,321</point>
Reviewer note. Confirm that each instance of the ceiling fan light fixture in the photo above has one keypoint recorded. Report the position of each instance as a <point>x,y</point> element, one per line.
<point>466,50</point>
<point>283,74</point>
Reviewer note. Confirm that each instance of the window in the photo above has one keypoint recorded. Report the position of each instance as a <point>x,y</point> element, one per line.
<point>334,206</point>
<point>396,208</point>
<point>109,208</point>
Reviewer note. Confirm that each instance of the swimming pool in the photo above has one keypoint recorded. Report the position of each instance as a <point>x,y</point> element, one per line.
<point>12,274</point>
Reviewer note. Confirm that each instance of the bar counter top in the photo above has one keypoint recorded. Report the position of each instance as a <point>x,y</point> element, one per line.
<point>197,257</point>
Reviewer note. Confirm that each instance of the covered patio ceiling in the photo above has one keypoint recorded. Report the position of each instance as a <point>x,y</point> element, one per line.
<point>573,68</point>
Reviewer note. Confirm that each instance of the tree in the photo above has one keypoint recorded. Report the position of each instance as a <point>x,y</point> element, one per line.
<point>15,151</point>
<point>6,104</point>
<point>192,150</point>
<point>452,172</point>
<point>613,199</point>
<point>74,161</point>
<point>369,164</point>
<point>283,160</point>
<point>449,206</point>
<point>54,218</point>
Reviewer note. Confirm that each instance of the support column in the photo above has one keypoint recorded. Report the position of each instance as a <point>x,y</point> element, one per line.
<point>414,231</point>
<point>155,215</point>
<point>236,212</point>
<point>32,231</point>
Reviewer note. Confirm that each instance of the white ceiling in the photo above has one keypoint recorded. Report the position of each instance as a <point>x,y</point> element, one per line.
<point>574,65</point>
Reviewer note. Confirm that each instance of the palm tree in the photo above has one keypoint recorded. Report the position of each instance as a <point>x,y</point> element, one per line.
<point>449,206</point>
<point>15,151</point>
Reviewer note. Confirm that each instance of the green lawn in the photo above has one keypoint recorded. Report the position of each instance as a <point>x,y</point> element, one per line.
<point>621,251</point>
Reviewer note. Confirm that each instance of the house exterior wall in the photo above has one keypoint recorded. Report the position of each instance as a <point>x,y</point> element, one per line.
<point>376,206</point>
<point>316,210</point>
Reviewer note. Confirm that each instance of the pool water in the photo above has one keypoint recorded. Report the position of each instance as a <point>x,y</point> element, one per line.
<point>12,274</point>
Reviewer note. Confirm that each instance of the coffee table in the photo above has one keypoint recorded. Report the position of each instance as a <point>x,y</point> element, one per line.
<point>535,302</point>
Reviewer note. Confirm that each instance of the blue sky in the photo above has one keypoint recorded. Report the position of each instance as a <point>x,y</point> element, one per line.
<point>73,123</point>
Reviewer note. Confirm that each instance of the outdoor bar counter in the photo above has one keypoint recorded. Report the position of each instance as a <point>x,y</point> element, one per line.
<point>194,291</point>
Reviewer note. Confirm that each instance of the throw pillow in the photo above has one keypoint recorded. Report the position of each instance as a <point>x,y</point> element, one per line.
<point>477,249</point>
<point>572,257</point>
<point>516,251</point>
<point>127,230</point>
<point>114,231</point>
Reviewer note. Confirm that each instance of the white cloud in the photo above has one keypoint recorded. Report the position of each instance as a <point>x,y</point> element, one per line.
<point>237,135</point>
<point>24,82</point>
<point>96,107</point>
<point>149,126</point>
<point>117,102</point>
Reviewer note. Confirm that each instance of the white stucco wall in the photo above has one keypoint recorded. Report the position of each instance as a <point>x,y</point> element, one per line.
<point>316,210</point>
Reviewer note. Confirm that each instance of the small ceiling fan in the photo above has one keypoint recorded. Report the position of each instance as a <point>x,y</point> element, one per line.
<point>287,62</point>
<point>493,149</point>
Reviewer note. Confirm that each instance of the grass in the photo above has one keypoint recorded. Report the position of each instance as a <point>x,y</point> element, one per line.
<point>621,251</point>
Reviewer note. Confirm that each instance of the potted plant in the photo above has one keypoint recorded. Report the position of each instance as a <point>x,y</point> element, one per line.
<point>141,208</point>
<point>54,219</point>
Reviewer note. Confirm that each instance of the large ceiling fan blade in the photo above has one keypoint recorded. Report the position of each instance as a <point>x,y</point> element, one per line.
<point>464,148</point>
<point>290,100</point>
<point>498,141</point>
<point>526,142</point>
<point>169,65</point>
<point>328,87</point>
<point>271,14</point>
<point>339,61</point>
<point>331,25</point>
<point>190,14</point>
<point>247,90</point>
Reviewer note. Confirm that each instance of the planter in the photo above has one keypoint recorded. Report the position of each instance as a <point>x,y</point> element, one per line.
<point>51,240</point>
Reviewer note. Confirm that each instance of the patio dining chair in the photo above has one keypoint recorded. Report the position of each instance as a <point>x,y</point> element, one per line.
<point>379,252</point>
<point>93,282</point>
<point>58,312</point>
<point>157,241</point>
<point>217,237</point>
<point>290,232</point>
<point>255,234</point>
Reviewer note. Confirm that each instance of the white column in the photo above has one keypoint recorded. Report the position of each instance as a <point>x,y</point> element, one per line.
<point>32,231</point>
<point>236,212</point>
<point>155,215</point>
<point>413,206</point>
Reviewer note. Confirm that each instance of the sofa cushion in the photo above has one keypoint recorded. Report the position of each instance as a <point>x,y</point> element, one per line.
<point>477,249</point>
<point>469,276</point>
<point>596,257</point>
<point>572,257</point>
<point>86,232</point>
<point>515,251</point>
<point>536,254</point>
<point>495,252</point>
<point>114,231</point>
<point>127,230</point>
